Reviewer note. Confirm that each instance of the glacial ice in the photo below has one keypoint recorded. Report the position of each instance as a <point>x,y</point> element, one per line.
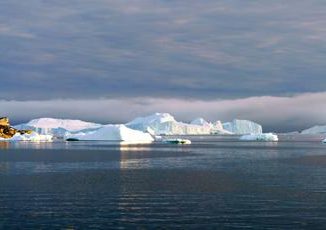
<point>33,137</point>
<point>259,137</point>
<point>155,124</point>
<point>243,127</point>
<point>201,121</point>
<point>318,129</point>
<point>113,133</point>
<point>215,128</point>
<point>165,124</point>
<point>57,127</point>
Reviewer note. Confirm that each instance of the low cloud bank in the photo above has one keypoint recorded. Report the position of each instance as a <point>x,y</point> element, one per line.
<point>274,113</point>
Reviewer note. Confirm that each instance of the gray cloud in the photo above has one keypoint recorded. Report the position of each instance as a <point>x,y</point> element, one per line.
<point>162,49</point>
<point>275,113</point>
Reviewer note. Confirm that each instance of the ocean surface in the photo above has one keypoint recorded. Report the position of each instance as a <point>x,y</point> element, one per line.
<point>214,183</point>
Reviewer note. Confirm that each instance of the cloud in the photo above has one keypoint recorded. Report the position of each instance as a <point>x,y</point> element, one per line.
<point>167,49</point>
<point>275,113</point>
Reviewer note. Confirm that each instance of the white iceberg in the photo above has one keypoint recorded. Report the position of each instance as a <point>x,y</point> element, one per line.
<point>324,141</point>
<point>33,137</point>
<point>243,127</point>
<point>57,127</point>
<point>119,133</point>
<point>318,129</point>
<point>215,128</point>
<point>165,124</point>
<point>259,137</point>
<point>201,121</point>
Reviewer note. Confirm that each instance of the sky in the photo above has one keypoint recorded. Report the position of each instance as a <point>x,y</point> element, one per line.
<point>109,61</point>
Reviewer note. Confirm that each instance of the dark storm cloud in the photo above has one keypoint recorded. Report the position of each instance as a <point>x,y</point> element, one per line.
<point>178,49</point>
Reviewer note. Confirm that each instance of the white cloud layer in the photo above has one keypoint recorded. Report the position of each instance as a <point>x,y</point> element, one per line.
<point>275,113</point>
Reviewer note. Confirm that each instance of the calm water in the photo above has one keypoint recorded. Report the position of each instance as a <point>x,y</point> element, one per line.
<point>215,183</point>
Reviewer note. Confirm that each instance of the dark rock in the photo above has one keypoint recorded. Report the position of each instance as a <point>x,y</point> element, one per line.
<point>6,131</point>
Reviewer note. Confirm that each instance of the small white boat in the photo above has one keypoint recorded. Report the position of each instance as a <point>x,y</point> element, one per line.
<point>178,141</point>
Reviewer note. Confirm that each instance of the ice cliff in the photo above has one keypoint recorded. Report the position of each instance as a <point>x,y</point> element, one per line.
<point>243,127</point>
<point>165,124</point>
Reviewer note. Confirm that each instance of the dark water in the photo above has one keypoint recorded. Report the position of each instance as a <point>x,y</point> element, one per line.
<point>214,183</point>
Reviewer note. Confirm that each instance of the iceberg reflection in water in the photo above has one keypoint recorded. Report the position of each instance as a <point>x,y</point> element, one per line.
<point>212,183</point>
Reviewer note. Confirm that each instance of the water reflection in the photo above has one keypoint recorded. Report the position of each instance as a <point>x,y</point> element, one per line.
<point>4,145</point>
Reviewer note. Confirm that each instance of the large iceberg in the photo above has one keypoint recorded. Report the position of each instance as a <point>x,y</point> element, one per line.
<point>33,137</point>
<point>165,124</point>
<point>318,129</point>
<point>243,127</point>
<point>259,137</point>
<point>215,128</point>
<point>57,127</point>
<point>119,133</point>
<point>201,121</point>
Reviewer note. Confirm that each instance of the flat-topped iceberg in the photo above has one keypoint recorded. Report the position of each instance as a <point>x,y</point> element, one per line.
<point>165,124</point>
<point>243,127</point>
<point>33,137</point>
<point>318,129</point>
<point>259,137</point>
<point>119,133</point>
<point>57,127</point>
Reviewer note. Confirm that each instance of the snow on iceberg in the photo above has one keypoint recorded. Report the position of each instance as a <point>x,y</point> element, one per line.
<point>112,133</point>
<point>165,124</point>
<point>33,137</point>
<point>201,121</point>
<point>259,137</point>
<point>243,127</point>
<point>215,128</point>
<point>318,129</point>
<point>57,127</point>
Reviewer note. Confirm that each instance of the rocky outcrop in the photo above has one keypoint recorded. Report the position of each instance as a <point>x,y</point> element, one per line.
<point>6,131</point>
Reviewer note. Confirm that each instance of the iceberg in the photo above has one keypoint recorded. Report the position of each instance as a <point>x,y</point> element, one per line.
<point>112,133</point>
<point>259,137</point>
<point>165,124</point>
<point>324,141</point>
<point>318,129</point>
<point>243,127</point>
<point>33,137</point>
<point>57,127</point>
<point>201,121</point>
<point>215,128</point>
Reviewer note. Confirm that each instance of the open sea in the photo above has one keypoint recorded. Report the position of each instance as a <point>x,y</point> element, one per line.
<point>214,183</point>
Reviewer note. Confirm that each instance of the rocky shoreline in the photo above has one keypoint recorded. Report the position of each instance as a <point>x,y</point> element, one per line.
<point>6,131</point>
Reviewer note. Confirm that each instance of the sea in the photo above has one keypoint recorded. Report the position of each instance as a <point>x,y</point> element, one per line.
<point>217,182</point>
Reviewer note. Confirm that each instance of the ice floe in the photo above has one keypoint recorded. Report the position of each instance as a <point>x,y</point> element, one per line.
<point>259,137</point>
